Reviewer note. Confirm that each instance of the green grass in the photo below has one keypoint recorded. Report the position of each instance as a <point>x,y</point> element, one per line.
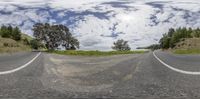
<point>26,36</point>
<point>95,53</point>
<point>187,51</point>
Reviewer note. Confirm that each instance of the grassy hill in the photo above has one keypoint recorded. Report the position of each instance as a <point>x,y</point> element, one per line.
<point>188,46</point>
<point>8,45</point>
<point>25,36</point>
<point>13,40</point>
<point>182,40</point>
<point>188,43</point>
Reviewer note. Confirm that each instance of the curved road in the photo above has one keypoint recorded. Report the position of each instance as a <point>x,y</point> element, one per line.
<point>138,76</point>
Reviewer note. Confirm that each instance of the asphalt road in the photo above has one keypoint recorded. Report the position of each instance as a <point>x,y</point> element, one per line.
<point>138,76</point>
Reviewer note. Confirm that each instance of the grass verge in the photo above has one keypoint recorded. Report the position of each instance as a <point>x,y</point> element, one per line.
<point>95,53</point>
<point>187,51</point>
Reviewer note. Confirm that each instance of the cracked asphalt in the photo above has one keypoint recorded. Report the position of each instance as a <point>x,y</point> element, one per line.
<point>136,76</point>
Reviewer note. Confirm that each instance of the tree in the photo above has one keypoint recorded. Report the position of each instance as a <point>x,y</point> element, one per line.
<point>196,33</point>
<point>10,32</point>
<point>5,32</point>
<point>121,45</point>
<point>16,34</point>
<point>165,41</point>
<point>72,44</point>
<point>55,36</point>
<point>35,44</point>
<point>171,32</point>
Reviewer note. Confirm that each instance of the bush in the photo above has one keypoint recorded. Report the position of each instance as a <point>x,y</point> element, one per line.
<point>5,44</point>
<point>35,44</point>
<point>10,45</point>
<point>26,41</point>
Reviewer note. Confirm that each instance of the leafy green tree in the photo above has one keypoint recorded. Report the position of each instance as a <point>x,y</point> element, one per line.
<point>169,39</point>
<point>35,44</point>
<point>10,32</point>
<point>72,45</point>
<point>121,45</point>
<point>196,33</point>
<point>54,36</point>
<point>16,34</point>
<point>165,41</point>
<point>171,32</point>
<point>5,32</point>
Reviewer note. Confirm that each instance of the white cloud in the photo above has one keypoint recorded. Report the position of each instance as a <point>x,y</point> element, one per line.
<point>98,23</point>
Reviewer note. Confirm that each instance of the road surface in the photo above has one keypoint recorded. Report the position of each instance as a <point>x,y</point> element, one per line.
<point>158,75</point>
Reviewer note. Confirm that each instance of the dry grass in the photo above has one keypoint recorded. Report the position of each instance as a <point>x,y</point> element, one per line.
<point>188,46</point>
<point>8,45</point>
<point>189,43</point>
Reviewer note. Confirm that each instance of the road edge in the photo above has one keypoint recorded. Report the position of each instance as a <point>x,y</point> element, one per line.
<point>175,69</point>
<point>20,67</point>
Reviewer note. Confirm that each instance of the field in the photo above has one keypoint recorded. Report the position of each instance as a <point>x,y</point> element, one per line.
<point>95,53</point>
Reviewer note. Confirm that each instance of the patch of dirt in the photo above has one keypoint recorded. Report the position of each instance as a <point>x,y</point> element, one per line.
<point>67,73</point>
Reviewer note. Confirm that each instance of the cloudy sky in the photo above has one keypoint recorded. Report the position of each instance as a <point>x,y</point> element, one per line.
<point>98,23</point>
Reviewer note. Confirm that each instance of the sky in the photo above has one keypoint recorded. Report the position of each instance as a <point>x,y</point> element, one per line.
<point>98,23</point>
